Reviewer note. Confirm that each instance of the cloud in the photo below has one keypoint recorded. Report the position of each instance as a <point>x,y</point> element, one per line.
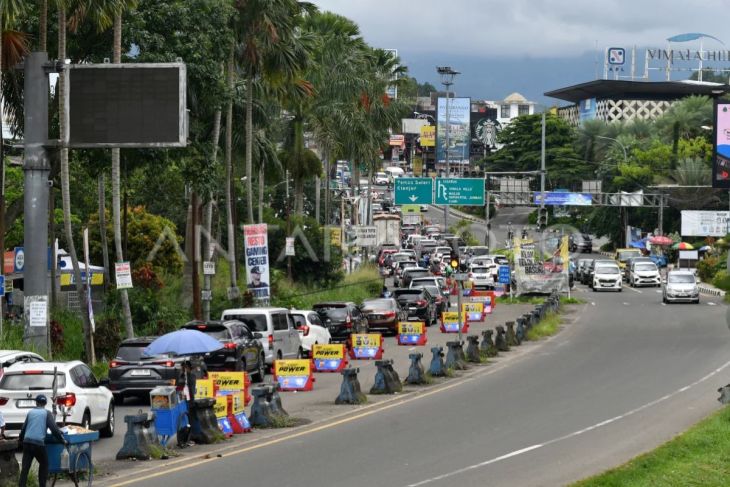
<point>533,28</point>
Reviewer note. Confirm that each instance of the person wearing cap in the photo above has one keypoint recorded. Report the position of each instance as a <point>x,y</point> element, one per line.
<point>256,281</point>
<point>33,438</point>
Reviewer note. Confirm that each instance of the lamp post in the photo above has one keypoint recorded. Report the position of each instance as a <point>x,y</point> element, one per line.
<point>447,79</point>
<point>624,213</point>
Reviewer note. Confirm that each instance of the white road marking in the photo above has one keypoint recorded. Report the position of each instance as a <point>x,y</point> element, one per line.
<point>711,304</point>
<point>574,433</point>
<point>593,303</point>
<point>626,304</point>
<point>632,289</point>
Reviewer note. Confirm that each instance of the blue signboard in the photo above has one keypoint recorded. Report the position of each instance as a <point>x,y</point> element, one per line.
<point>567,199</point>
<point>460,191</point>
<point>504,274</point>
<point>413,191</point>
<point>2,285</point>
<point>19,263</point>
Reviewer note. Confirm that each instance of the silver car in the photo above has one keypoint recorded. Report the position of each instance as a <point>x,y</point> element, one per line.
<point>681,286</point>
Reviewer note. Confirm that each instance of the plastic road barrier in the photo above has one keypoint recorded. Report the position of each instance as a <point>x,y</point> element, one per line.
<point>329,358</point>
<point>294,375</point>
<point>450,322</point>
<point>366,346</point>
<point>411,333</point>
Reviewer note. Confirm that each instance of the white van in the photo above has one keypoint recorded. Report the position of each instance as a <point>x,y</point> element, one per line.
<point>394,172</point>
<point>280,335</point>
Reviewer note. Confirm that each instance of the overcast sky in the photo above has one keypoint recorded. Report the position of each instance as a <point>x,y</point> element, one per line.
<point>429,32</point>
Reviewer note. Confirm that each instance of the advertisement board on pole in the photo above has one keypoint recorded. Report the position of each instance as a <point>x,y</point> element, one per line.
<point>290,247</point>
<point>459,130</point>
<point>123,273</point>
<point>428,136</point>
<point>705,223</point>
<point>257,260</point>
<point>564,199</point>
<point>721,139</point>
<point>366,236</point>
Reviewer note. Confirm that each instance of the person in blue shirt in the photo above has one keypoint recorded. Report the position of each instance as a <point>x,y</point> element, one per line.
<point>33,438</point>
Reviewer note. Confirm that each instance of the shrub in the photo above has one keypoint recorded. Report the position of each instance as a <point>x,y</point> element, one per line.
<point>708,267</point>
<point>721,280</point>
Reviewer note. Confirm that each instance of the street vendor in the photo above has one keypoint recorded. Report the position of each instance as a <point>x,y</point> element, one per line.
<point>186,385</point>
<point>33,438</point>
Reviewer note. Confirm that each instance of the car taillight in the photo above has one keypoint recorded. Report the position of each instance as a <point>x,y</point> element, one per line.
<point>202,327</point>
<point>67,400</point>
<point>166,363</point>
<point>32,372</point>
<point>3,401</point>
<point>229,346</point>
<point>304,329</point>
<point>271,341</point>
<point>389,314</point>
<point>421,303</point>
<point>113,364</point>
<point>348,322</point>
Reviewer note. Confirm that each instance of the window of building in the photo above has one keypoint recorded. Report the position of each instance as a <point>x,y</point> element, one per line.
<point>523,110</point>
<point>504,111</point>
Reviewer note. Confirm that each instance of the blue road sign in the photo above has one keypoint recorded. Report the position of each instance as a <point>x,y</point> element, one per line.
<point>2,285</point>
<point>19,263</point>
<point>564,198</point>
<point>460,191</point>
<point>504,274</point>
<point>413,191</point>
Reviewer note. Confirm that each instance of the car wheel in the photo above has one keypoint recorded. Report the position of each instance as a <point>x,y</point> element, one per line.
<point>697,301</point>
<point>620,289</point>
<point>86,420</point>
<point>239,365</point>
<point>108,430</point>
<point>258,375</point>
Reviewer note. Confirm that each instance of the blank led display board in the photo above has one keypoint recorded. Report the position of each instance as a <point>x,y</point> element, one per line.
<point>126,105</point>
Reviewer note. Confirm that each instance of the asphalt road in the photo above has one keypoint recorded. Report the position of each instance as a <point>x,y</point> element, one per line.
<point>626,374</point>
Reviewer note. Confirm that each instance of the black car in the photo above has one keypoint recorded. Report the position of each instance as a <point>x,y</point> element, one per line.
<point>420,303</point>
<point>242,349</point>
<point>341,318</point>
<point>131,374</point>
<point>580,242</point>
<point>409,274</point>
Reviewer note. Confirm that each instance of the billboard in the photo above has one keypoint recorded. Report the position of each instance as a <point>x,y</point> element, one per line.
<point>564,199</point>
<point>459,130</point>
<point>705,223</point>
<point>587,109</point>
<point>721,156</point>
<point>257,260</point>
<point>428,136</point>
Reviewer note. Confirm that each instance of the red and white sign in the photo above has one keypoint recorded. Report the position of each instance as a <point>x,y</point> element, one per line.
<point>123,273</point>
<point>398,140</point>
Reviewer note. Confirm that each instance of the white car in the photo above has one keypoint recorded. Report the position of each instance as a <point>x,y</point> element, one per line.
<point>311,329</point>
<point>485,261</point>
<point>681,286</point>
<point>8,358</point>
<point>607,276</point>
<point>380,179</point>
<point>79,395</point>
<point>481,276</point>
<point>644,274</point>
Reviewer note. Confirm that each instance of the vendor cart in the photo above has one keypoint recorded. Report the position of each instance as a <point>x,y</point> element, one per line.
<point>79,467</point>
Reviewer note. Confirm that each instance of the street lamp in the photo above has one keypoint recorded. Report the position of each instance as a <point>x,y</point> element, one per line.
<point>623,147</point>
<point>447,79</point>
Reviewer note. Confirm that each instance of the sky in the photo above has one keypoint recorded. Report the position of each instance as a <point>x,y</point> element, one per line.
<point>529,46</point>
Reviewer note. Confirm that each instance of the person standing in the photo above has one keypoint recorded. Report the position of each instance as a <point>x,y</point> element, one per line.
<point>186,384</point>
<point>33,438</point>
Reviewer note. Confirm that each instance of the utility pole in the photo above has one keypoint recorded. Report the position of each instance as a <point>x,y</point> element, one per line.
<point>447,79</point>
<point>36,169</point>
<point>542,167</point>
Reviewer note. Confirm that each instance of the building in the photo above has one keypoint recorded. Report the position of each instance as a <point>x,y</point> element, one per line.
<point>625,100</point>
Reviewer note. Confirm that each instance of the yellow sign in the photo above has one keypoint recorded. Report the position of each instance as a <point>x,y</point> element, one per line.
<point>452,316</point>
<point>410,328</point>
<point>289,368</point>
<point>239,403</point>
<point>203,388</point>
<point>428,136</point>
<point>335,236</point>
<point>328,351</point>
<point>472,307</point>
<point>418,166</point>
<point>97,279</point>
<point>366,340</point>
<point>221,406</point>
<point>228,381</point>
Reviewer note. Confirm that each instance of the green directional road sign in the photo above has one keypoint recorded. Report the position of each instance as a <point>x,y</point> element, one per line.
<point>413,191</point>
<point>460,191</point>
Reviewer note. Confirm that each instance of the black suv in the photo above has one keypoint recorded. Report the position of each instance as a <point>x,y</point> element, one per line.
<point>242,349</point>
<point>341,318</point>
<point>131,374</point>
<point>580,242</point>
<point>419,303</point>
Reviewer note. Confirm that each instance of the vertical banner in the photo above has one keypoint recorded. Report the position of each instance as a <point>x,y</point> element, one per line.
<point>257,260</point>
<point>721,139</point>
<point>459,130</point>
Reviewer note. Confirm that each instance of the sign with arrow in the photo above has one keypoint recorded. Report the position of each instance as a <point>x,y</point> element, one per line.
<point>460,191</point>
<point>413,191</point>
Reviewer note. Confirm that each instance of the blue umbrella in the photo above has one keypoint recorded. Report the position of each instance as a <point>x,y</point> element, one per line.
<point>705,248</point>
<point>182,342</point>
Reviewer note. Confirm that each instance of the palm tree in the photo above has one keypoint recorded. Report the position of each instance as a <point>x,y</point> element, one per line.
<point>684,119</point>
<point>230,224</point>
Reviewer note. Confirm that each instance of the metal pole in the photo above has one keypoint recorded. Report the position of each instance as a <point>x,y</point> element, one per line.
<point>36,169</point>
<point>489,225</point>
<point>448,159</point>
<point>542,167</point>
<point>661,214</point>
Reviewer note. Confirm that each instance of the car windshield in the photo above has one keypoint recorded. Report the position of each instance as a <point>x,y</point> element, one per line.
<point>645,267</point>
<point>501,260</point>
<point>332,312</point>
<point>627,254</point>
<point>133,352</point>
<point>607,270</point>
<point>32,382</point>
<point>418,273</point>
<point>480,270</point>
<point>407,293</point>
<point>254,322</point>
<point>681,278</point>
<point>378,304</point>
<point>401,257</point>
<point>218,332</point>
<point>479,251</point>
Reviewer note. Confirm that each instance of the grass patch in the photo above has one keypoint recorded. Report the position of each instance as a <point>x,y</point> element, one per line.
<point>571,300</point>
<point>364,283</point>
<point>428,379</point>
<point>524,299</point>
<point>696,457</point>
<point>547,327</point>
<point>449,372</point>
<point>158,452</point>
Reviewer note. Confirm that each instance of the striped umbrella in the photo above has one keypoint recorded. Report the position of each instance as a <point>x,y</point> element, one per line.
<point>682,246</point>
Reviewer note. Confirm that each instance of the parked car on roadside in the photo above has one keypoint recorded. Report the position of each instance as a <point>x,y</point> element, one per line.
<point>681,286</point>
<point>420,304</point>
<point>84,400</point>
<point>341,318</point>
<point>383,314</point>
<point>311,329</point>
<point>581,268</point>
<point>242,349</point>
<point>280,338</point>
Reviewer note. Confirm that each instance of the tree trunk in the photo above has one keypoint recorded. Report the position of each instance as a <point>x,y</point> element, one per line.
<point>116,204</point>
<point>327,191</point>
<point>65,191</point>
<point>356,185</point>
<point>230,221</point>
<point>187,285</point>
<point>317,192</point>
<point>43,27</point>
<point>261,192</point>
<point>299,196</point>
<point>102,228</point>
<point>208,211</point>
<point>249,148</point>
<point>197,311</point>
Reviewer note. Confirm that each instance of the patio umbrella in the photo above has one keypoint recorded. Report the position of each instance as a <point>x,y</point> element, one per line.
<point>182,342</point>
<point>682,246</point>
<point>705,248</point>
<point>660,240</point>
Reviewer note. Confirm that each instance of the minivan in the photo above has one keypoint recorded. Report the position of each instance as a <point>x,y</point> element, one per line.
<point>280,335</point>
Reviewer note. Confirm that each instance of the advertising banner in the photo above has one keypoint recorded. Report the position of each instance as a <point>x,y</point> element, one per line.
<point>123,273</point>
<point>705,223</point>
<point>721,159</point>
<point>450,322</point>
<point>411,333</point>
<point>366,236</point>
<point>587,109</point>
<point>220,408</point>
<point>204,388</point>
<point>228,381</point>
<point>366,346</point>
<point>474,310</point>
<point>486,298</point>
<point>257,260</point>
<point>459,130</point>
<point>530,273</point>
<point>397,140</point>
<point>564,199</point>
<point>294,375</point>
<point>428,136</point>
<point>329,357</point>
